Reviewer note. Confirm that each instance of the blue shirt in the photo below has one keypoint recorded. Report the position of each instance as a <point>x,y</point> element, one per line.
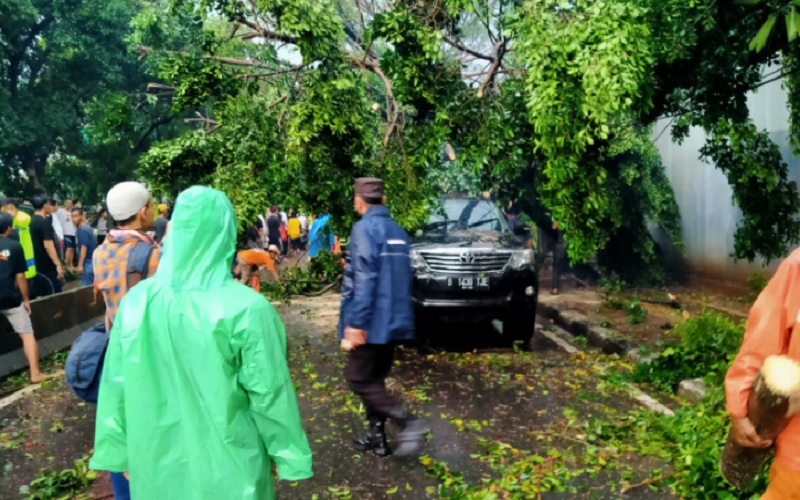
<point>321,236</point>
<point>85,237</point>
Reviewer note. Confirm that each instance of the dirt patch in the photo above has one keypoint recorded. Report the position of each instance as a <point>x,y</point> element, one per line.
<point>665,308</point>
<point>48,429</point>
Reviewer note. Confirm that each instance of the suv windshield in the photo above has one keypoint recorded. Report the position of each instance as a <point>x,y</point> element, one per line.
<point>461,214</point>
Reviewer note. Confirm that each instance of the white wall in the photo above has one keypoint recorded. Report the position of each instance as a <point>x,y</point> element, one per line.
<point>702,191</point>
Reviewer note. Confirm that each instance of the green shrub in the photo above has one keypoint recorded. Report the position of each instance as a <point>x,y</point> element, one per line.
<point>709,342</point>
<point>611,292</point>
<point>756,282</point>
<point>51,485</point>
<point>692,441</point>
<point>636,313</point>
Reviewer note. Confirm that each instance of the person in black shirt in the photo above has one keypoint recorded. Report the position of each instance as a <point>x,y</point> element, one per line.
<point>14,302</point>
<point>49,271</point>
<point>274,227</point>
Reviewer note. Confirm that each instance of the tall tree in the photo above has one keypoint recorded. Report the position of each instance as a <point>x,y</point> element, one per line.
<point>548,100</point>
<point>56,56</point>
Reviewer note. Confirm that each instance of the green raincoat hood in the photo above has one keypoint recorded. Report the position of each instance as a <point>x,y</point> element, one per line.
<point>200,243</point>
<point>196,400</point>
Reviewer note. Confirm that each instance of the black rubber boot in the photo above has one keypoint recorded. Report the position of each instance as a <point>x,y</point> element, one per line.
<point>412,435</point>
<point>374,440</point>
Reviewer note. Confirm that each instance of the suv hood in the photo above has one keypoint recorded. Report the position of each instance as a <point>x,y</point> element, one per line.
<point>471,239</point>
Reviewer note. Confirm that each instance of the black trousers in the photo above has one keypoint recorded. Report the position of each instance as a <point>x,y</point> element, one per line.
<point>366,372</point>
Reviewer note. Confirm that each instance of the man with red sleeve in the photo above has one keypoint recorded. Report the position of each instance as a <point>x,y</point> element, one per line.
<point>770,328</point>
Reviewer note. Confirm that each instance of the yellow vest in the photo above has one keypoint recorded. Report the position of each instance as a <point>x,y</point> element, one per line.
<point>22,222</point>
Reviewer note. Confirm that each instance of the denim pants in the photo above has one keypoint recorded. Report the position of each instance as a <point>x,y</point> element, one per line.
<point>121,487</point>
<point>87,278</point>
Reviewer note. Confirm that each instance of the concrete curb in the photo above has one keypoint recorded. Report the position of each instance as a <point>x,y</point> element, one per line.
<point>607,341</point>
<point>579,325</point>
<point>544,339</point>
<point>16,396</point>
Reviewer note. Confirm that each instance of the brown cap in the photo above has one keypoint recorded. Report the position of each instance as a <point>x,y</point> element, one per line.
<point>369,187</point>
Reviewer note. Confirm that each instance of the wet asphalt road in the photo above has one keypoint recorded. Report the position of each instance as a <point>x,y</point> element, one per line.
<point>474,389</point>
<point>501,421</point>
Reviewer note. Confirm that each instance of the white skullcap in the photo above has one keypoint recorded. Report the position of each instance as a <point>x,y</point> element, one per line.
<point>274,248</point>
<point>125,199</point>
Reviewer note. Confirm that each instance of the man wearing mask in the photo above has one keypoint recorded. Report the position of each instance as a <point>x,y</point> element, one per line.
<point>196,399</point>
<point>376,313</point>
<point>130,205</point>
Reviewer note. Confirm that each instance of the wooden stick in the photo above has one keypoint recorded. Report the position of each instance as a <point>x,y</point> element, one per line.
<point>644,483</point>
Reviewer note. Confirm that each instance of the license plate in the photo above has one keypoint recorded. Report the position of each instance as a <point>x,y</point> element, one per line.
<point>468,283</point>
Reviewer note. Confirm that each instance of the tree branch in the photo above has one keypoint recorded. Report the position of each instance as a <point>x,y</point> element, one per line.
<point>274,73</point>
<point>266,33</point>
<point>210,125</point>
<point>224,60</point>
<point>15,61</point>
<point>392,109</point>
<point>278,101</point>
<point>499,51</point>
<point>463,48</point>
<point>153,126</point>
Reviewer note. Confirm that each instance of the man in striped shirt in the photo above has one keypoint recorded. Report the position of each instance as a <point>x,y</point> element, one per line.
<point>129,203</point>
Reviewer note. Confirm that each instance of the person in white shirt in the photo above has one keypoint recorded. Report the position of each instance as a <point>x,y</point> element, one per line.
<point>303,230</point>
<point>64,214</point>
<point>58,228</point>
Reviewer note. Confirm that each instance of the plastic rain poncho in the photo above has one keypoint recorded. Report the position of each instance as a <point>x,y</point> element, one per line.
<point>196,400</point>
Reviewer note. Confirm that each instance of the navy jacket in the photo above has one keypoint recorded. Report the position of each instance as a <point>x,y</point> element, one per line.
<point>376,290</point>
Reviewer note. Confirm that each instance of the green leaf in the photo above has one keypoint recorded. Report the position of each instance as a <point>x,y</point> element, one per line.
<point>760,40</point>
<point>792,24</point>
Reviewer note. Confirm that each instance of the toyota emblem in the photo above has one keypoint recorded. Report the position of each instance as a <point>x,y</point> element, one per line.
<point>466,258</point>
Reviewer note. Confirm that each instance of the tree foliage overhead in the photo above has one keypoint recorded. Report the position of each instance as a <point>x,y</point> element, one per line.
<point>56,56</point>
<point>548,102</point>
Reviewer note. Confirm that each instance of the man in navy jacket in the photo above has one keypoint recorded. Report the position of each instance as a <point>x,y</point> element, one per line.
<point>377,312</point>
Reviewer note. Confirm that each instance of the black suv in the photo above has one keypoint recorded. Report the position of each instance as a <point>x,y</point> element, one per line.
<point>470,264</point>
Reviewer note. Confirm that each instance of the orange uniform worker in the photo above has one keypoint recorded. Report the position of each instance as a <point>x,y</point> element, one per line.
<point>770,331</point>
<point>250,260</point>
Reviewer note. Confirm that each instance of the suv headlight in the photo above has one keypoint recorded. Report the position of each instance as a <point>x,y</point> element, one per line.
<point>521,259</point>
<point>417,262</point>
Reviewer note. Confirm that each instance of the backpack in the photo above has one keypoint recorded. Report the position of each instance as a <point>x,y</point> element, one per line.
<point>84,365</point>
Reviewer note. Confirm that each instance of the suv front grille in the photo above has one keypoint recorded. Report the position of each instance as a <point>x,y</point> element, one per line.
<point>465,261</point>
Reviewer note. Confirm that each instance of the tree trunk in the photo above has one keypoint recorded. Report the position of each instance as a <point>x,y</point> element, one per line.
<point>769,408</point>
<point>33,165</point>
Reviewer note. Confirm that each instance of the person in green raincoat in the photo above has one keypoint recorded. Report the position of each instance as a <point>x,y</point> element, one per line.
<point>196,401</point>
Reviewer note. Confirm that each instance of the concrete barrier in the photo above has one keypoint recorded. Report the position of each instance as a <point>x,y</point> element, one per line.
<point>57,322</point>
